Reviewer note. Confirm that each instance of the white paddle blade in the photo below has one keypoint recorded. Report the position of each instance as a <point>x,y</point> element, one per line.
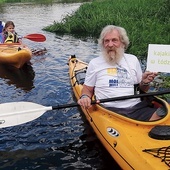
<point>16,113</point>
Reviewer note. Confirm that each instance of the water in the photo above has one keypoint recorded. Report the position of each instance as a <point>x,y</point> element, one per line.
<point>59,139</point>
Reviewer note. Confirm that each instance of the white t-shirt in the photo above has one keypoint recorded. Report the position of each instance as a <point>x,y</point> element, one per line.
<point>114,80</point>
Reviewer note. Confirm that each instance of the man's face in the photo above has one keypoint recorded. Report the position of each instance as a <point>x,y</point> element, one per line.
<point>113,47</point>
<point>112,41</point>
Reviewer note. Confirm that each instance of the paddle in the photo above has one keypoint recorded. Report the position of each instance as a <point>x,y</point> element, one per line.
<point>16,113</point>
<point>36,37</point>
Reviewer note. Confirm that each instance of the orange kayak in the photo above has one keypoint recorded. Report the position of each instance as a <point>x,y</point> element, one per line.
<point>135,145</point>
<point>14,54</point>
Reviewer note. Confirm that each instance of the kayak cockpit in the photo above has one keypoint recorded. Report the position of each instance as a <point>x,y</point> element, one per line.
<point>154,101</point>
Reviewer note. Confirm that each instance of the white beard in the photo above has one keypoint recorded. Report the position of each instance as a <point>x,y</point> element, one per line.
<point>113,56</point>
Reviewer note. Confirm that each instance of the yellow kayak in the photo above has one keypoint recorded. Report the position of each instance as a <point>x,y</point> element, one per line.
<point>132,144</point>
<point>14,54</point>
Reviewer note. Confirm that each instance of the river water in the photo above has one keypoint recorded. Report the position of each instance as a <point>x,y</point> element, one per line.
<point>59,139</point>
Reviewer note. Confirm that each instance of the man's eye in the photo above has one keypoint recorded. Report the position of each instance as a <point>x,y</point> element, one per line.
<point>106,41</point>
<point>115,40</point>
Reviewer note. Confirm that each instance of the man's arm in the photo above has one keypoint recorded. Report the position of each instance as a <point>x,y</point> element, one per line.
<point>86,95</point>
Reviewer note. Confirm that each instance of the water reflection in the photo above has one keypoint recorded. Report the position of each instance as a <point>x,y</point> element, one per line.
<point>21,154</point>
<point>22,78</point>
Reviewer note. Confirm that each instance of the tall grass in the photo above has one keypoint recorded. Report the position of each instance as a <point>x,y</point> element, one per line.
<point>146,21</point>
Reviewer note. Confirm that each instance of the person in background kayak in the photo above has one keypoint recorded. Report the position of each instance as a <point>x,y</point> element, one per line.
<point>2,24</point>
<point>115,73</point>
<point>8,34</point>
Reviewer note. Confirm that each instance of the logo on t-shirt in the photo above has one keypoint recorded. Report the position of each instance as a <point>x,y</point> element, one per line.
<point>121,78</point>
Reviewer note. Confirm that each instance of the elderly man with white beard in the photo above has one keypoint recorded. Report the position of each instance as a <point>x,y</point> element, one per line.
<point>115,73</point>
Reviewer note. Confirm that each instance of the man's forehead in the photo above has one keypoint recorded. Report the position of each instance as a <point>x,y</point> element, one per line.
<point>113,33</point>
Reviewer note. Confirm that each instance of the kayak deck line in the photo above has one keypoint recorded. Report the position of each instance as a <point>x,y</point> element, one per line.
<point>163,153</point>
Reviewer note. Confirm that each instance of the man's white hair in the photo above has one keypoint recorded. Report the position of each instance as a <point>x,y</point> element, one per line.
<point>122,35</point>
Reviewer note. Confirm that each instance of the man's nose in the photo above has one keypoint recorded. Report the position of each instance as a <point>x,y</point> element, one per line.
<point>111,43</point>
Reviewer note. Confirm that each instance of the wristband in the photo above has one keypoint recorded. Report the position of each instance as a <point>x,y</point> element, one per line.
<point>84,96</point>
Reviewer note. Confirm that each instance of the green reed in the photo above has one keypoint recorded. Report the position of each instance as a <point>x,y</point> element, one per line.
<point>146,21</point>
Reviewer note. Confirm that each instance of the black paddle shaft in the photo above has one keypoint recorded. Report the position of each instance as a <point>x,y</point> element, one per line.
<point>114,99</point>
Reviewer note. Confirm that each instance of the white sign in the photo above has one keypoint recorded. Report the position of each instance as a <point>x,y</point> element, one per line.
<point>158,59</point>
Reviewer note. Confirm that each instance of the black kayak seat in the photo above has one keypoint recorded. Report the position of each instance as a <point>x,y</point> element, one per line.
<point>160,132</point>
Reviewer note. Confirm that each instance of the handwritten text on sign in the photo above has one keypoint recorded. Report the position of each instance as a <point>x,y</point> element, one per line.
<point>158,59</point>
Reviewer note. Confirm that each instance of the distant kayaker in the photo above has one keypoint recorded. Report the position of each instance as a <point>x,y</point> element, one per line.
<point>115,73</point>
<point>8,34</point>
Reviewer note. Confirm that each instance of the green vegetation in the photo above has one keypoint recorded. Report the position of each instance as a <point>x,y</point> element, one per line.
<point>146,21</point>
